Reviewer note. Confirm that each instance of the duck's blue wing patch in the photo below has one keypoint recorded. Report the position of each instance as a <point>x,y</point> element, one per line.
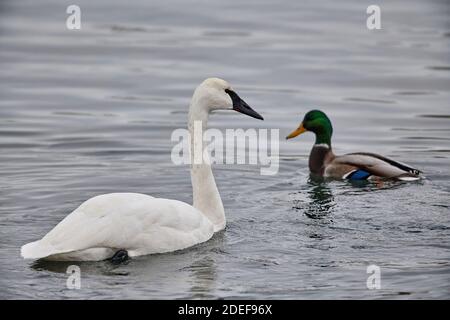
<point>358,175</point>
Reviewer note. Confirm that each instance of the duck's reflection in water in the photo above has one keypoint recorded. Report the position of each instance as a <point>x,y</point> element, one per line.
<point>316,202</point>
<point>320,200</point>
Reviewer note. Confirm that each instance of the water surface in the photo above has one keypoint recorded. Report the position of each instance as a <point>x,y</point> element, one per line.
<point>89,112</point>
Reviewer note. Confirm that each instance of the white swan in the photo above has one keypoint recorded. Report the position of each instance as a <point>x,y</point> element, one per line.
<point>141,224</point>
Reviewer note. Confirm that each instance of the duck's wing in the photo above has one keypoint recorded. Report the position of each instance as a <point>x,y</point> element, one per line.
<point>137,223</point>
<point>371,164</point>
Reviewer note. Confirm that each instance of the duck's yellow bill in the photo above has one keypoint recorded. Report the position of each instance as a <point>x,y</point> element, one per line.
<point>297,131</point>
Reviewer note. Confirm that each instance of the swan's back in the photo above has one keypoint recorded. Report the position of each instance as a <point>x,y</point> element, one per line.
<point>134,222</point>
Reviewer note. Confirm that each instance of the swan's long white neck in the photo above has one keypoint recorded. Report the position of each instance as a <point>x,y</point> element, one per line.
<point>205,193</point>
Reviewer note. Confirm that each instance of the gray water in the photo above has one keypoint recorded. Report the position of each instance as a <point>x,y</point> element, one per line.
<point>91,111</point>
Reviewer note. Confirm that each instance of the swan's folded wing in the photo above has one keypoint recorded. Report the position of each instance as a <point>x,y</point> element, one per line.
<point>377,165</point>
<point>105,220</point>
<point>134,222</point>
<point>83,229</point>
<point>77,231</point>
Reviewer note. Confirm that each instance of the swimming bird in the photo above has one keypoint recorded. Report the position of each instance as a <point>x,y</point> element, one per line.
<point>353,166</point>
<point>122,225</point>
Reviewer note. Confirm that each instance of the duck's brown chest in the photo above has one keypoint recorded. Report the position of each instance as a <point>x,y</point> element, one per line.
<point>319,157</point>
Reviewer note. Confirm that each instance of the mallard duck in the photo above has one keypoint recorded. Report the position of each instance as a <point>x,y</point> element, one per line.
<point>354,166</point>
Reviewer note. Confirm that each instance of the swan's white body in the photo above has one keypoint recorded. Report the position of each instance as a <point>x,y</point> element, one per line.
<point>135,222</point>
<point>141,224</point>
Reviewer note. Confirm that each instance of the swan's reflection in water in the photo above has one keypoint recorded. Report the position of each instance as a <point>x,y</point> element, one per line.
<point>203,280</point>
<point>190,273</point>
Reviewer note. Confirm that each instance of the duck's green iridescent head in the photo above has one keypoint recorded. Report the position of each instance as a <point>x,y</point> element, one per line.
<point>315,121</point>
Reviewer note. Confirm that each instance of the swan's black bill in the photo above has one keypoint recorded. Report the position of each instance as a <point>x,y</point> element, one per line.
<point>241,106</point>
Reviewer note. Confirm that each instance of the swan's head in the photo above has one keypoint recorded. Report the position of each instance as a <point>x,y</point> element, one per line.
<point>217,94</point>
